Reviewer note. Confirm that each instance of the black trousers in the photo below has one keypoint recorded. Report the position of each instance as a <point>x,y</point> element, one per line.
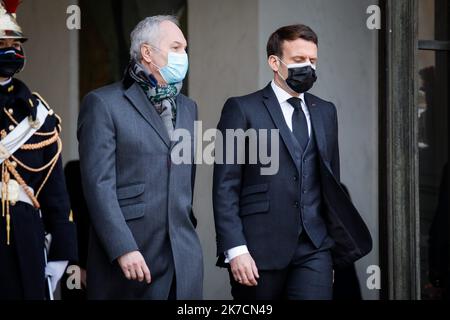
<point>11,286</point>
<point>309,276</point>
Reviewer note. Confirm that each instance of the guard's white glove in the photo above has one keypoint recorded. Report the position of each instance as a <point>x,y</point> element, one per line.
<point>55,270</point>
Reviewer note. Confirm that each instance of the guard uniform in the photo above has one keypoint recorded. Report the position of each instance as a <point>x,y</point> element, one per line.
<point>34,201</point>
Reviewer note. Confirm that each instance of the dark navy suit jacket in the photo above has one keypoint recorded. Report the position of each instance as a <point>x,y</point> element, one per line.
<point>261,211</point>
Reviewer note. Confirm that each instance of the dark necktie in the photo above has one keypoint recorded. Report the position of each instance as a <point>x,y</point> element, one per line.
<point>299,124</point>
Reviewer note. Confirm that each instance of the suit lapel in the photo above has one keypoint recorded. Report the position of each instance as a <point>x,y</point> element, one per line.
<point>274,108</point>
<point>141,103</point>
<point>182,120</point>
<point>317,125</point>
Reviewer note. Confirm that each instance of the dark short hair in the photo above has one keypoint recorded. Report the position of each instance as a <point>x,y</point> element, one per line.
<point>289,33</point>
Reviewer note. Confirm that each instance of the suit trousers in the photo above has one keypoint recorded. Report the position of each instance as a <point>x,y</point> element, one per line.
<point>309,276</point>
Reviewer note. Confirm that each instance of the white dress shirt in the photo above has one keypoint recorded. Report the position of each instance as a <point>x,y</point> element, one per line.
<point>287,108</point>
<point>288,111</point>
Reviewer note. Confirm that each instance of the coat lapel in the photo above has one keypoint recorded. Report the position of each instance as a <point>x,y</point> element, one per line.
<point>141,103</point>
<point>183,120</point>
<point>274,108</point>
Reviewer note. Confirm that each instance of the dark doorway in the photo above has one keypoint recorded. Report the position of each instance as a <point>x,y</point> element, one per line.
<point>432,107</point>
<point>105,36</point>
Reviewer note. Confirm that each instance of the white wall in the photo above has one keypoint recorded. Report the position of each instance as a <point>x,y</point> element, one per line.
<point>227,41</point>
<point>223,50</point>
<point>52,63</point>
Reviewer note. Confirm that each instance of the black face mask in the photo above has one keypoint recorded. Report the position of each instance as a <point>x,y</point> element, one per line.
<point>301,77</point>
<point>12,61</point>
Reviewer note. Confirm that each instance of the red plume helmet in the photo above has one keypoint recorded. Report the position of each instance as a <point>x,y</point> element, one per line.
<point>9,28</point>
<point>11,6</point>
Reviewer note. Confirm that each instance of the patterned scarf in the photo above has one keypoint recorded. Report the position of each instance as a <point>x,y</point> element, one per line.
<point>163,98</point>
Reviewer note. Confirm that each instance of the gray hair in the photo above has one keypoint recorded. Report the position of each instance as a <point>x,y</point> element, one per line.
<point>147,31</point>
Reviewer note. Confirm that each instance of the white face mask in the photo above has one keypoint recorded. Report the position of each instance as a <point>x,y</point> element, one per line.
<point>176,69</point>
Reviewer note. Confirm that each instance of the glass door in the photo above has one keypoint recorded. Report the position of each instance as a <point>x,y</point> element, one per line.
<point>432,111</point>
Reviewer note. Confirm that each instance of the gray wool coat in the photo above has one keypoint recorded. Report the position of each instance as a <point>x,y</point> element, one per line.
<point>138,199</point>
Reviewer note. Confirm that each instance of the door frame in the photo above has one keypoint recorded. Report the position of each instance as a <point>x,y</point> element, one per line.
<point>399,161</point>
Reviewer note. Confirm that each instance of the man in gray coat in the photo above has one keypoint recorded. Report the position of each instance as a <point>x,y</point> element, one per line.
<point>143,242</point>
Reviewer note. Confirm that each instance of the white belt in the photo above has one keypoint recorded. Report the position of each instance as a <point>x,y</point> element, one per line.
<point>17,194</point>
<point>22,133</point>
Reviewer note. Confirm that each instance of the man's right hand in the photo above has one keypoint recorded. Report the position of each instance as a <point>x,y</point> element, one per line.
<point>134,267</point>
<point>244,270</point>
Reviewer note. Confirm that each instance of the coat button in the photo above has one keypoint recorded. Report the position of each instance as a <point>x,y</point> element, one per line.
<point>295,178</point>
<point>296,205</point>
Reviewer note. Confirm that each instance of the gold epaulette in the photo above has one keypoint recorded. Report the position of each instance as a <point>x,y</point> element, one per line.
<point>51,112</point>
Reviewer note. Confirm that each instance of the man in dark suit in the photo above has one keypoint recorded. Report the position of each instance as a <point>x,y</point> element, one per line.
<point>280,235</point>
